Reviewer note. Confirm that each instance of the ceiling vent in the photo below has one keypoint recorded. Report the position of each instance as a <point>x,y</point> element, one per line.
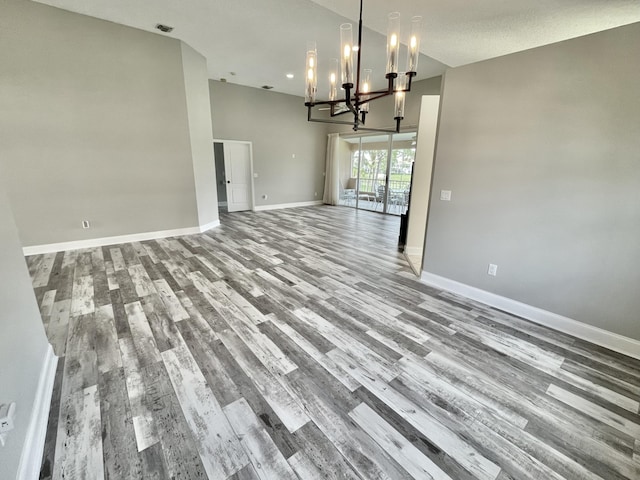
<point>267,87</point>
<point>164,28</point>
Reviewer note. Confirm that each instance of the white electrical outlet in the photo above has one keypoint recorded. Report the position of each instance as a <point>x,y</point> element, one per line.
<point>493,270</point>
<point>85,224</point>
<point>315,194</point>
<point>445,195</point>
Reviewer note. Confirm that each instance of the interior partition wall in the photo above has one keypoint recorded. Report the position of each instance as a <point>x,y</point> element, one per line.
<point>379,172</point>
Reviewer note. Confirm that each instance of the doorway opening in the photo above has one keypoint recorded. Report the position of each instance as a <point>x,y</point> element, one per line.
<point>234,175</point>
<point>378,175</point>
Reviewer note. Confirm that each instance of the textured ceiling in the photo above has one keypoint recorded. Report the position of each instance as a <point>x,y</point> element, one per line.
<point>458,32</point>
<point>262,40</point>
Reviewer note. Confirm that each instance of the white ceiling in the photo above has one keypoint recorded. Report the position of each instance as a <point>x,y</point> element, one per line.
<point>262,40</point>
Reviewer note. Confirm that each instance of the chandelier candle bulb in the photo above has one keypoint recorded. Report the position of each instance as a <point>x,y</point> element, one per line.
<point>413,47</point>
<point>311,78</point>
<point>366,88</point>
<point>399,105</point>
<point>393,42</point>
<point>346,49</point>
<point>333,80</point>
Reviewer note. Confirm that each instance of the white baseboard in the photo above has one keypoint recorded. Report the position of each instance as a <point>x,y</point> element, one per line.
<point>33,448</point>
<point>599,336</point>
<point>287,205</point>
<point>99,242</point>
<point>209,226</point>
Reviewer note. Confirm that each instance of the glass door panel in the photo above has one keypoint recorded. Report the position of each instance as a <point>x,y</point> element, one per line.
<point>372,175</point>
<point>403,152</point>
<point>379,176</point>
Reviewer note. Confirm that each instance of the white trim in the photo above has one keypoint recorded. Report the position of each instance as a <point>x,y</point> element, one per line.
<point>413,250</point>
<point>414,269</point>
<point>278,206</point>
<point>599,336</point>
<point>253,186</point>
<point>33,448</point>
<point>99,242</point>
<point>209,226</point>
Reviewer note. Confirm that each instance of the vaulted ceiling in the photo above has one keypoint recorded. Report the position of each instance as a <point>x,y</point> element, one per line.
<point>257,42</point>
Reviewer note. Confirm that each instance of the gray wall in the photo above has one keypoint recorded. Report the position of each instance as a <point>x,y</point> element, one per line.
<point>196,86</point>
<point>23,343</point>
<point>541,150</point>
<point>94,125</point>
<point>276,124</point>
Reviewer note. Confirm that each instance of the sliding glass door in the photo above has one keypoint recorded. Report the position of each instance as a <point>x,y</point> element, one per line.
<point>403,153</point>
<point>380,172</point>
<point>369,167</point>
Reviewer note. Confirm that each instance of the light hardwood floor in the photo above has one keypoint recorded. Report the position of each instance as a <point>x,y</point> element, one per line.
<point>297,344</point>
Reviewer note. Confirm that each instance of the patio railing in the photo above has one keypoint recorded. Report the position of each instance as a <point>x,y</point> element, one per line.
<point>369,185</point>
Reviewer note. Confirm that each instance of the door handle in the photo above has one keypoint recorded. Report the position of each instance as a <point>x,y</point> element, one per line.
<point>228,181</point>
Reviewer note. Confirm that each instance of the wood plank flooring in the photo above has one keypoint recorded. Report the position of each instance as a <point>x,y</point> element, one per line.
<point>298,344</point>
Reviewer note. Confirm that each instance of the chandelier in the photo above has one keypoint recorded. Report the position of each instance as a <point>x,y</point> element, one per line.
<point>358,95</point>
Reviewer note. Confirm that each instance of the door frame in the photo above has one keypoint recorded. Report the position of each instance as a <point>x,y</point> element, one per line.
<point>252,200</point>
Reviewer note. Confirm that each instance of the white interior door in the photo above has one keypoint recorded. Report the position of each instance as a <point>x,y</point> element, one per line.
<point>237,165</point>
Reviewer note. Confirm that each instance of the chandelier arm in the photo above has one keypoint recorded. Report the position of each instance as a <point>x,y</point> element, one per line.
<point>348,100</point>
<point>371,97</point>
<point>332,113</point>
<point>321,120</point>
<point>358,128</point>
<point>331,103</point>
<point>382,92</point>
<point>325,102</point>
<point>410,75</point>
<point>341,113</point>
<point>376,97</point>
<point>382,130</point>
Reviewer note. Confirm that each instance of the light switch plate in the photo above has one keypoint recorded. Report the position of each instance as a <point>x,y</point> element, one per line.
<point>445,195</point>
